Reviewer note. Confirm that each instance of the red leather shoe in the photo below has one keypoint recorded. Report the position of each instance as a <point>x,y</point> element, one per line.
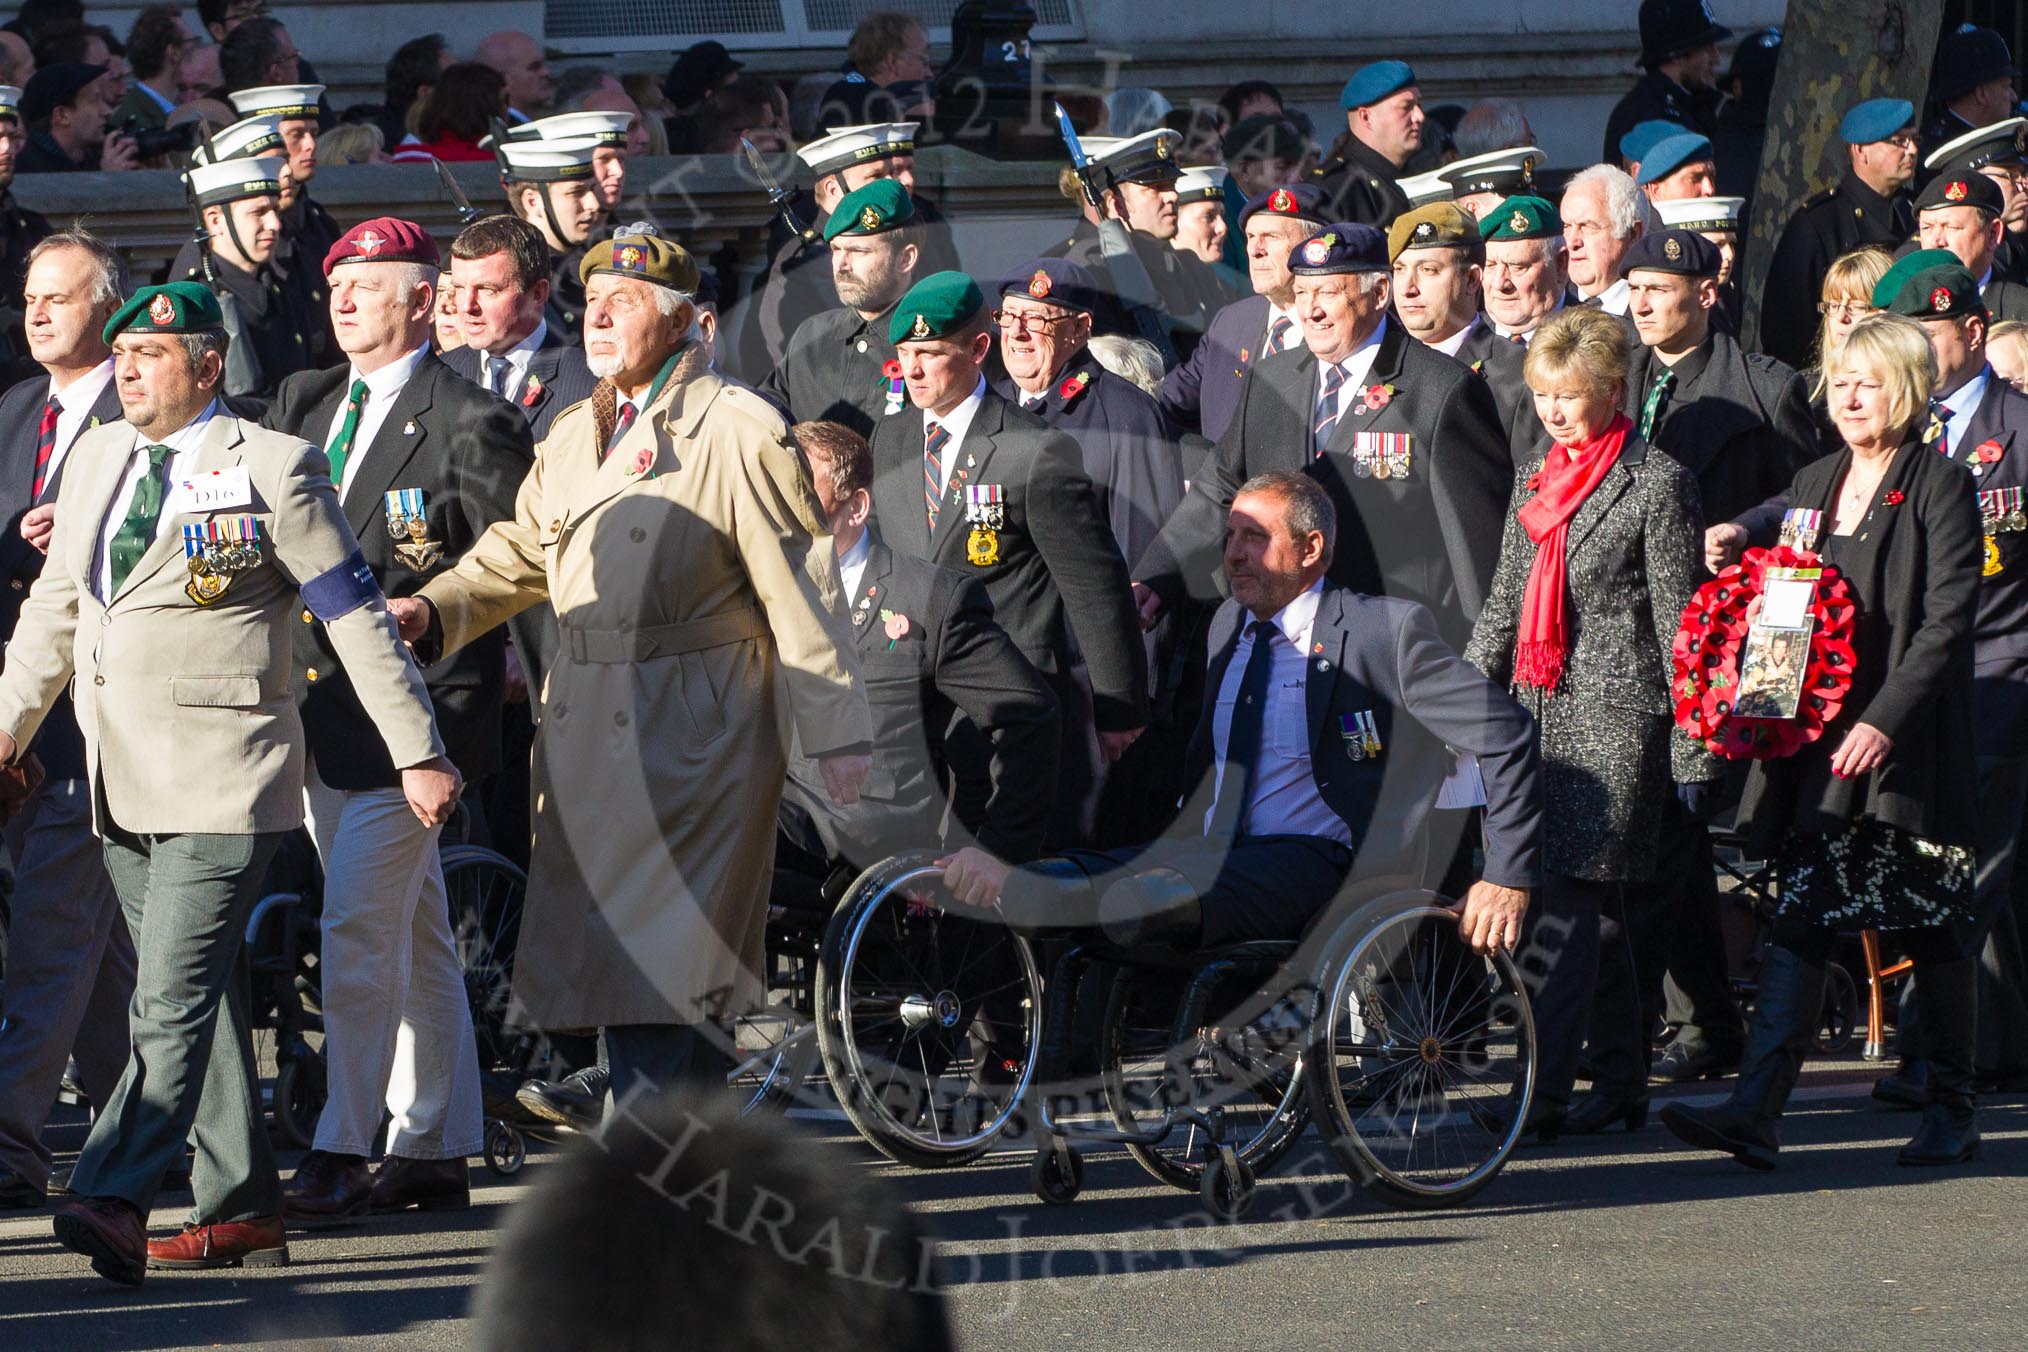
<point>110,1231</point>
<point>255,1243</point>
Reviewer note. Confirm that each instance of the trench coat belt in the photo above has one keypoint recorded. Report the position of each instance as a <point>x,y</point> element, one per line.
<point>614,647</point>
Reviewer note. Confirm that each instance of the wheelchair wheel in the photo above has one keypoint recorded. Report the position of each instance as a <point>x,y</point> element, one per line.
<point>1218,1059</point>
<point>927,1021</point>
<point>775,1048</point>
<point>506,1148</point>
<point>298,1097</point>
<point>1422,1055</point>
<point>485,892</point>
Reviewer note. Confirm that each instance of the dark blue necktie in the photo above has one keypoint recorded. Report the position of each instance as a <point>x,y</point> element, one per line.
<point>1243,737</point>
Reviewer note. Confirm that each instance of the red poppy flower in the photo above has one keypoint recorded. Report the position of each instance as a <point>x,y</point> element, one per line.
<point>1988,451</point>
<point>1073,385</point>
<point>891,368</point>
<point>1376,397</point>
<point>644,460</point>
<point>896,626</point>
<point>531,391</point>
<point>1894,497</point>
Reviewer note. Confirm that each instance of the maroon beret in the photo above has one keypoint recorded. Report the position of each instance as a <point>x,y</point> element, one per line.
<point>384,239</point>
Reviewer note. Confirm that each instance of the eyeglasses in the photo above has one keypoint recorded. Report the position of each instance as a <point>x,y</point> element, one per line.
<point>1845,309</point>
<point>1902,141</point>
<point>1015,319</point>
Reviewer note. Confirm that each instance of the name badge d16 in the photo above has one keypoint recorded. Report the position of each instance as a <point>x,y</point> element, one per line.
<point>218,490</point>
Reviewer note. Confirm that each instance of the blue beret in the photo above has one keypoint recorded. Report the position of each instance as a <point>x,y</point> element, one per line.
<point>1875,120</point>
<point>1666,157</point>
<point>1682,252</point>
<point>1055,281</point>
<point>1296,202</point>
<point>1372,83</point>
<point>1345,247</point>
<point>1643,137</point>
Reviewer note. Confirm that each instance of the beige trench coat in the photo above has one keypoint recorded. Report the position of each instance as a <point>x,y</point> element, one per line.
<point>696,596</point>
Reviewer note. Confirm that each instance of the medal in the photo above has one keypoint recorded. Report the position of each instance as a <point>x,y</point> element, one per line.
<point>1386,455</point>
<point>1800,527</point>
<point>408,523</point>
<point>1381,471</point>
<point>1992,563</point>
<point>982,548</point>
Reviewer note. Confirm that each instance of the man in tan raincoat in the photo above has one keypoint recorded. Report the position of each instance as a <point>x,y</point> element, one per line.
<point>670,521</point>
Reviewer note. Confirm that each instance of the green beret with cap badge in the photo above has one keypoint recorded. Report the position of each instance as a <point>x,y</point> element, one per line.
<point>940,304</point>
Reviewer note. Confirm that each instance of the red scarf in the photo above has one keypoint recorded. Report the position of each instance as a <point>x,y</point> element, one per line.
<point>1565,480</point>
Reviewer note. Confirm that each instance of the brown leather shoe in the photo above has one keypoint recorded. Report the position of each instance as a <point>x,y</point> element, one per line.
<point>254,1243</point>
<point>110,1231</point>
<point>328,1189</point>
<point>432,1185</point>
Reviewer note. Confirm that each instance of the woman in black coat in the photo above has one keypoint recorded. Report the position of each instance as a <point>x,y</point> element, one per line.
<point>1602,551</point>
<point>1871,825</point>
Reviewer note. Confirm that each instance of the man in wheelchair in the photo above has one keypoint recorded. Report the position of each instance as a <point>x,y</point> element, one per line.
<point>1336,719</point>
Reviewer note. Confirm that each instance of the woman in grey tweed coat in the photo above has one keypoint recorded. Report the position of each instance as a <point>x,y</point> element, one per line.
<point>1602,551</point>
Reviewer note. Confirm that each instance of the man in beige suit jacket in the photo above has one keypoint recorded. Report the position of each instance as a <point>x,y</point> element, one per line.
<point>185,544</point>
<point>670,521</point>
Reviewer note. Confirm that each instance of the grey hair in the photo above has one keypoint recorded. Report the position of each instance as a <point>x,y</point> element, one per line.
<point>195,345</point>
<point>667,299</point>
<point>1133,359</point>
<point>109,270</point>
<point>1134,110</point>
<point>1626,206</point>
<point>1305,505</point>
<point>1492,124</point>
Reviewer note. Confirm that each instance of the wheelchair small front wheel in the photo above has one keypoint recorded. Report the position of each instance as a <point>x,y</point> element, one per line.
<point>1228,1187</point>
<point>1057,1175</point>
<point>506,1148</point>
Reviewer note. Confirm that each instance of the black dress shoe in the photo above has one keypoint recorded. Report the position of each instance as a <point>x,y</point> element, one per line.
<point>1683,1062</point>
<point>497,1093</point>
<point>1947,1136</point>
<point>18,1193</point>
<point>1907,1087</point>
<point>328,1189</point>
<point>431,1185</point>
<point>577,1100</point>
<point>1596,1113</point>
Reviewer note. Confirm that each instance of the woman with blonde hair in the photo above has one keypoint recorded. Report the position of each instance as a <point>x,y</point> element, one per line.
<point>1602,552</point>
<point>1871,825</point>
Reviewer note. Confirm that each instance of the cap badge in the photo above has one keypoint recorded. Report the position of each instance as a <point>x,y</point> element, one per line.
<point>1318,250</point>
<point>162,310</point>
<point>869,218</point>
<point>1283,202</point>
<point>1955,192</point>
<point>631,257</point>
<point>1940,299</point>
<point>921,327</point>
<point>1518,222</point>
<point>1038,285</point>
<point>369,243</point>
<point>1161,148</point>
<point>1527,165</point>
<point>1425,232</point>
<point>1672,250</point>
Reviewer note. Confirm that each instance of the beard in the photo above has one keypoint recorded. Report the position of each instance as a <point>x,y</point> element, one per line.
<point>604,367</point>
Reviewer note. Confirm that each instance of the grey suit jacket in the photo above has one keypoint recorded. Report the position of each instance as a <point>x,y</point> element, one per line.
<point>189,722</point>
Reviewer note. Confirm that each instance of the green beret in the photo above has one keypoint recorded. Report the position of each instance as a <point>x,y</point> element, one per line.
<point>1941,292</point>
<point>1521,218</point>
<point>939,304</point>
<point>639,251</point>
<point>179,307</point>
<point>1890,283</point>
<point>880,206</point>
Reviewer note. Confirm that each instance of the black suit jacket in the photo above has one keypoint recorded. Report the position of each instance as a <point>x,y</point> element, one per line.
<point>950,659</point>
<point>1432,537</point>
<point>1369,654</point>
<point>1833,222</point>
<point>468,452</point>
<point>2000,624</point>
<point>59,744</point>
<point>1498,360</point>
<point>1058,572</point>
<point>559,374</point>
<point>1202,393</point>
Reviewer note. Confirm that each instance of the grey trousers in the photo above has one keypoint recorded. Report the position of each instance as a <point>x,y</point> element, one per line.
<point>70,970</point>
<point>191,1073</point>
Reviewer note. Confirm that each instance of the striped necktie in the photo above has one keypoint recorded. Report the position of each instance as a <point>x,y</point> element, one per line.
<point>45,447</point>
<point>1327,409</point>
<point>1278,336</point>
<point>1937,434</point>
<point>933,445</point>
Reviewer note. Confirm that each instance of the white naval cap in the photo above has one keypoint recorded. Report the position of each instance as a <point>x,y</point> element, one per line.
<point>1509,172</point>
<point>1202,183</point>
<point>1702,214</point>
<point>1422,189</point>
<point>1147,158</point>
<point>847,146</point>
<point>283,101</point>
<point>1997,143</point>
<point>606,128</point>
<point>244,139</point>
<point>10,102</point>
<point>547,161</point>
<point>230,180</point>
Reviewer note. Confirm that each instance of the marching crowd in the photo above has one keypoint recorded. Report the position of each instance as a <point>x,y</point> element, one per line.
<point>1321,503</point>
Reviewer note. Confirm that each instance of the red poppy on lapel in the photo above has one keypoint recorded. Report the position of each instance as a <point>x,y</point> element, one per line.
<point>1894,497</point>
<point>531,391</point>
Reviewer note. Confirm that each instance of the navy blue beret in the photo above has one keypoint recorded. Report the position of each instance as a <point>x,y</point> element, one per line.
<point>1344,247</point>
<point>1055,281</point>
<point>1683,252</point>
<point>1875,120</point>
<point>1297,202</point>
<point>1372,83</point>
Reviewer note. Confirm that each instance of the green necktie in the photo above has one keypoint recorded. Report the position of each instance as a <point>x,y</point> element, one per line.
<point>1658,395</point>
<point>137,530</point>
<point>341,445</point>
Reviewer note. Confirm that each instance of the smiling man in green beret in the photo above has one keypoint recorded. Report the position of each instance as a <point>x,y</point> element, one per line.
<point>969,481</point>
<point>187,543</point>
<point>672,525</point>
<point>838,364</point>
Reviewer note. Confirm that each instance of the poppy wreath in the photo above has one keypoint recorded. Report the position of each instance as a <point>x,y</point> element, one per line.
<point>1713,633</point>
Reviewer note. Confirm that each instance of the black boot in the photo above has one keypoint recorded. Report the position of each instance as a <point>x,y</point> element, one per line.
<point>1907,1087</point>
<point>1746,1126</point>
<point>1947,994</point>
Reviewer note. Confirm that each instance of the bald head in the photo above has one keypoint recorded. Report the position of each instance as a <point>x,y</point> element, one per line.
<point>520,61</point>
<point>17,63</point>
<point>615,100</point>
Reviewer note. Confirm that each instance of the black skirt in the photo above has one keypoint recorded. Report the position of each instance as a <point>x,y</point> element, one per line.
<point>1872,876</point>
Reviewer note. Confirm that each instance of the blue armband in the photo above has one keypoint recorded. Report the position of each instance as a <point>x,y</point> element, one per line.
<point>341,590</point>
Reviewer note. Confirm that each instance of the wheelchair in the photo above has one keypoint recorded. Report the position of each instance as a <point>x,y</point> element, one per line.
<point>1416,1056</point>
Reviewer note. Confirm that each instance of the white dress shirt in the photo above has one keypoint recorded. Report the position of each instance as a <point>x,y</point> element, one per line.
<point>383,387</point>
<point>74,404</point>
<point>1284,800</point>
<point>183,444</point>
<point>852,566</point>
<point>1357,365</point>
<point>1959,407</point>
<point>959,421</point>
<point>1615,299</point>
<point>1529,336</point>
<point>517,358</point>
<point>1449,346</point>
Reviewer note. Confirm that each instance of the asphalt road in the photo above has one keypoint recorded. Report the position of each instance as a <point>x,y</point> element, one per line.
<point>1621,1241</point>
